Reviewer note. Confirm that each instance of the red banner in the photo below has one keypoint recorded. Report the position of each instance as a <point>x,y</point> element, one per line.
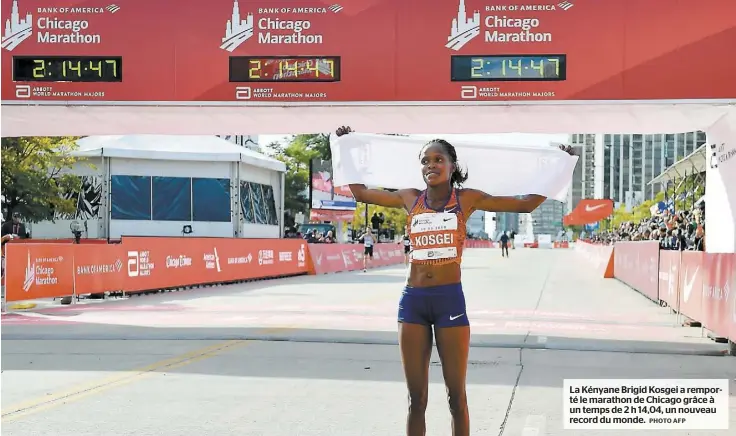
<point>588,212</point>
<point>478,243</point>
<point>144,263</point>
<point>231,50</point>
<point>669,277</point>
<point>717,289</point>
<point>637,265</point>
<point>692,272</point>
<point>38,271</point>
<point>155,263</point>
<point>333,258</point>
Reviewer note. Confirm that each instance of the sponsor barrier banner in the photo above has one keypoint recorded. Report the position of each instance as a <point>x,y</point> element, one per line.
<point>697,285</point>
<point>98,268</point>
<point>601,257</point>
<point>717,314</point>
<point>38,271</point>
<point>477,243</point>
<point>146,263</point>
<point>154,263</point>
<point>690,288</point>
<point>669,270</point>
<point>637,265</point>
<point>333,258</point>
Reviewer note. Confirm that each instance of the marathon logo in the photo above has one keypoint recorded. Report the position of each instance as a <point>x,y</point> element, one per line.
<point>433,222</point>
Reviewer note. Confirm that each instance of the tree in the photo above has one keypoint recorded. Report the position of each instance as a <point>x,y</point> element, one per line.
<point>35,177</point>
<point>296,157</point>
<point>395,219</point>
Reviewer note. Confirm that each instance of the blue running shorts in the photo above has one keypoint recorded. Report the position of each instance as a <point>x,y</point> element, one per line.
<point>441,306</point>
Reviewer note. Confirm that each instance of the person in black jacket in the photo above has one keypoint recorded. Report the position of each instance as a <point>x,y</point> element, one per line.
<point>15,228</point>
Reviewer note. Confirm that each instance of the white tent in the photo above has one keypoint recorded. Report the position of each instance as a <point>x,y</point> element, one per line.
<point>174,147</point>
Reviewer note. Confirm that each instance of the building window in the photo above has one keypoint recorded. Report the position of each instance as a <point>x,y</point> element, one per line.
<point>130,197</point>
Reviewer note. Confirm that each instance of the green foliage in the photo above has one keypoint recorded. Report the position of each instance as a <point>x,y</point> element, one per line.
<point>34,177</point>
<point>692,183</point>
<point>394,218</point>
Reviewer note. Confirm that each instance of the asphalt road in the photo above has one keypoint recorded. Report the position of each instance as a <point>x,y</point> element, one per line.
<point>318,356</point>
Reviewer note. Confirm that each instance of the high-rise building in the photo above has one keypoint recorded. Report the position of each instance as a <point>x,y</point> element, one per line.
<point>620,166</point>
<point>507,221</point>
<point>547,218</point>
<point>476,223</point>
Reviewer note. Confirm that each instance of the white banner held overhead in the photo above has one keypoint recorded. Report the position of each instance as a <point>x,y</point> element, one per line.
<point>720,186</point>
<point>503,170</point>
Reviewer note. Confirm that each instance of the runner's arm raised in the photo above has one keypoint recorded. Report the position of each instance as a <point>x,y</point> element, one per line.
<point>479,200</point>
<point>398,199</point>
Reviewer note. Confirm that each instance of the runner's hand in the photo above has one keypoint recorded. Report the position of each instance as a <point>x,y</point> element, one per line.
<point>568,149</point>
<point>344,130</point>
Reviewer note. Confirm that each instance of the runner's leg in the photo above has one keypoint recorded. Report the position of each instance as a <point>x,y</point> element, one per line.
<point>415,342</point>
<point>453,345</point>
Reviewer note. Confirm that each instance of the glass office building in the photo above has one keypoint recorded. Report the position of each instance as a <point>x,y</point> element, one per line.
<point>620,166</point>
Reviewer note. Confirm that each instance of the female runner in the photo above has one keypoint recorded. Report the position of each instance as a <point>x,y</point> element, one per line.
<point>407,246</point>
<point>433,296</point>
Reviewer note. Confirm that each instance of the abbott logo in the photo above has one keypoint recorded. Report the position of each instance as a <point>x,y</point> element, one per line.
<point>463,29</point>
<point>133,261</point>
<point>243,93</point>
<point>22,91</point>
<point>237,31</point>
<point>17,30</point>
<point>469,92</point>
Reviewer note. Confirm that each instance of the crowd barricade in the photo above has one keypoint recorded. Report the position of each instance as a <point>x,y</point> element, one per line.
<point>560,244</point>
<point>478,243</point>
<point>636,263</point>
<point>47,270</point>
<point>600,256</point>
<point>334,258</point>
<point>699,286</point>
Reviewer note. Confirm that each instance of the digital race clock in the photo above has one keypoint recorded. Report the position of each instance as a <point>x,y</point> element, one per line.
<point>285,69</point>
<point>499,68</point>
<point>67,68</point>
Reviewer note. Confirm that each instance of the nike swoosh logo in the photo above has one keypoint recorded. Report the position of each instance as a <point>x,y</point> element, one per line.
<point>453,318</point>
<point>689,283</point>
<point>446,219</point>
<point>592,208</point>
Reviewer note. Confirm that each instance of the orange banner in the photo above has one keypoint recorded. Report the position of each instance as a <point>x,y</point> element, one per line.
<point>98,268</point>
<point>158,263</point>
<point>38,271</point>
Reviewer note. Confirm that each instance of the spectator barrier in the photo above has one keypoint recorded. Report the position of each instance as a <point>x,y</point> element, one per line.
<point>38,269</point>
<point>46,270</point>
<point>600,256</point>
<point>333,258</point>
<point>697,285</point>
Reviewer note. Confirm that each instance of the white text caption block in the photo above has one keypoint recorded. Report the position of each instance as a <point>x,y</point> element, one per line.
<point>653,404</point>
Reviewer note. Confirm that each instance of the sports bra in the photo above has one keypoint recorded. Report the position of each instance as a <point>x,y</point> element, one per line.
<point>437,236</point>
